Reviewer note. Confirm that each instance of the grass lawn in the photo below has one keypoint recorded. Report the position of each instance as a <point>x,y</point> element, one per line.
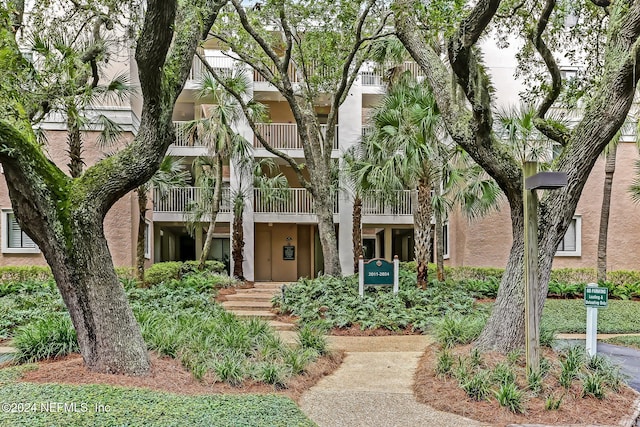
<point>629,341</point>
<point>34,405</point>
<point>570,316</point>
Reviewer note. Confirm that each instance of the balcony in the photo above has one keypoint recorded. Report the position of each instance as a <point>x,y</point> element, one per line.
<point>400,204</point>
<point>222,64</point>
<point>284,136</point>
<point>178,199</point>
<point>376,75</point>
<point>292,204</point>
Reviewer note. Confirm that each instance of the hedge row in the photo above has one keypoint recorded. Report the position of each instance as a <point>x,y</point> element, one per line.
<point>560,275</point>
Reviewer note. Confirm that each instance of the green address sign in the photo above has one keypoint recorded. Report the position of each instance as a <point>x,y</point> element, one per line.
<point>378,272</point>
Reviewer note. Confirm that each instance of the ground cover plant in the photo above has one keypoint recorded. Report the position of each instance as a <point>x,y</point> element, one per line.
<point>626,341</point>
<point>103,405</point>
<point>496,388</point>
<point>178,319</point>
<point>335,303</point>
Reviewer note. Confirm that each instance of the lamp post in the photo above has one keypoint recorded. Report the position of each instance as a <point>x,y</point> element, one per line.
<point>534,181</point>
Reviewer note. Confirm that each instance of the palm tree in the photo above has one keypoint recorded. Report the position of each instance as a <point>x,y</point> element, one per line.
<point>171,174</point>
<point>610,154</point>
<point>403,151</point>
<point>224,144</point>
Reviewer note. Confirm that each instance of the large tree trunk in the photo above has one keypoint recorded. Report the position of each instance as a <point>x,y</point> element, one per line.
<point>471,127</point>
<point>142,228</point>
<point>108,334</point>
<point>238,240</point>
<point>64,216</point>
<point>215,207</point>
<point>422,231</point>
<point>609,170</point>
<point>323,203</point>
<point>357,233</point>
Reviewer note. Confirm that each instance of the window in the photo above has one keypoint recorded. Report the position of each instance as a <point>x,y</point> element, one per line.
<point>571,244</point>
<point>147,239</point>
<point>445,240</point>
<point>14,240</point>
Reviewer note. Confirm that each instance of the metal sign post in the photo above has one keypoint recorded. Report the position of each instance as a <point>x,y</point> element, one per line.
<point>594,298</point>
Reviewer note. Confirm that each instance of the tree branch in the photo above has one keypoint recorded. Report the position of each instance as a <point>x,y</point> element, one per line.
<point>252,124</point>
<point>553,130</point>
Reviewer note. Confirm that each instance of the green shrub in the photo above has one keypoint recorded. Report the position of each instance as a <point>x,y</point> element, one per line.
<point>478,387</point>
<point>456,329</point>
<point>162,271</point>
<point>552,403</point>
<point>210,266</point>
<point>573,275</point>
<point>593,385</point>
<point>444,363</point>
<point>51,336</point>
<point>313,338</point>
<point>622,277</point>
<point>24,273</point>
<point>510,397</point>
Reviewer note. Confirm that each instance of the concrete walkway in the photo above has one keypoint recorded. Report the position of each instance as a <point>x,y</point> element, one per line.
<point>374,388</point>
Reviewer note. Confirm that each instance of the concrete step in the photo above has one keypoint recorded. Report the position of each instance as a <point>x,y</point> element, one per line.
<point>265,315</point>
<point>247,305</point>
<point>262,291</point>
<point>281,326</point>
<point>254,296</point>
<point>267,285</point>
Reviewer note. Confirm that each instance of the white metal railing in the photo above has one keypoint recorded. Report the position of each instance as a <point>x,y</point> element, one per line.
<point>222,64</point>
<point>179,199</point>
<point>398,203</point>
<point>376,75</point>
<point>288,201</point>
<point>284,136</point>
<point>183,139</point>
<point>291,201</point>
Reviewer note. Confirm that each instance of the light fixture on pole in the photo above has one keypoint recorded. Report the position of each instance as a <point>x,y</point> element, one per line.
<point>534,181</point>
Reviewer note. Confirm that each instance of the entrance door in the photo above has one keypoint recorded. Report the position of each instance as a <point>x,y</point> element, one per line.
<point>263,256</point>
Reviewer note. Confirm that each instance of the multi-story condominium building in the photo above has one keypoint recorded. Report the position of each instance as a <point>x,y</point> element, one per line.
<point>272,226</point>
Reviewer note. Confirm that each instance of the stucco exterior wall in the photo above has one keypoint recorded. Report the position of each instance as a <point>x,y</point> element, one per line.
<point>487,241</point>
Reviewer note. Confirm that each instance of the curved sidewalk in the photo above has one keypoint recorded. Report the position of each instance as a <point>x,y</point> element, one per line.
<point>373,386</point>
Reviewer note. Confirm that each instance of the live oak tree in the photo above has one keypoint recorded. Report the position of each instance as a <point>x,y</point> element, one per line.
<point>64,215</point>
<point>310,51</point>
<point>609,51</point>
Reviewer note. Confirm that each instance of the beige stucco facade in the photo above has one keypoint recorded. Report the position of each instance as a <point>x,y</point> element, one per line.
<point>486,241</point>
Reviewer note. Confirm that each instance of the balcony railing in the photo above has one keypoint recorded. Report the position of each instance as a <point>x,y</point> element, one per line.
<point>284,136</point>
<point>183,139</point>
<point>377,75</point>
<point>222,64</point>
<point>179,199</point>
<point>289,201</point>
<point>399,203</point>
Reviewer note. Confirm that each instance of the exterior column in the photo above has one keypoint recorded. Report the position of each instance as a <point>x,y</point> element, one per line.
<point>349,133</point>
<point>388,243</point>
<point>241,179</point>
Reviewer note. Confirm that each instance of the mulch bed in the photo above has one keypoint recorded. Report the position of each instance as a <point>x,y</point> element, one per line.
<point>446,395</point>
<point>169,375</point>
